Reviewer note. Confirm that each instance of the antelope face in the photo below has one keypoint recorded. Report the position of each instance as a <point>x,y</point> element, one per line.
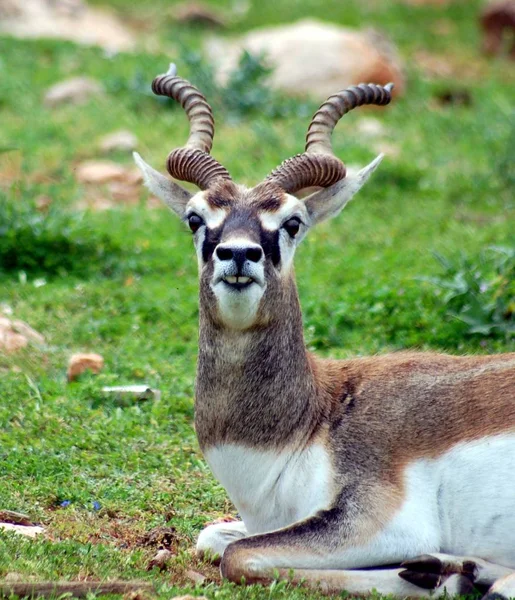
<point>245,242</point>
<point>246,238</point>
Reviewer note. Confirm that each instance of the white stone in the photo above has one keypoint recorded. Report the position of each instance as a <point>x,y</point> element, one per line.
<point>76,90</point>
<point>100,171</point>
<point>27,530</point>
<point>312,57</point>
<point>123,140</point>
<point>64,19</point>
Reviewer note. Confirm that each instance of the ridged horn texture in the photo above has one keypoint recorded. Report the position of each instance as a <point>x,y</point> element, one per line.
<point>318,166</point>
<point>192,162</point>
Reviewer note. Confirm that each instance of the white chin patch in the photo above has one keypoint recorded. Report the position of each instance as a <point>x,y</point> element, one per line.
<point>238,307</point>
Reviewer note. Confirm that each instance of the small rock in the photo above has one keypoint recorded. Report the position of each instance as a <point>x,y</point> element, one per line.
<point>79,363</point>
<point>100,171</point>
<point>198,13</point>
<point>14,577</point>
<point>77,90</point>
<point>135,595</point>
<point>43,203</point>
<point>106,171</point>
<point>313,57</point>
<point>387,148</point>
<point>124,192</point>
<point>15,335</point>
<point>16,518</point>
<point>138,392</point>
<point>65,19</point>
<point>369,127</point>
<point>455,97</point>
<point>123,141</point>
<point>27,331</point>
<point>28,531</point>
<point>12,342</point>
<point>160,560</point>
<point>195,577</point>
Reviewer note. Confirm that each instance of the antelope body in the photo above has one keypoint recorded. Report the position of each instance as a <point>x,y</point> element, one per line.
<point>404,459</point>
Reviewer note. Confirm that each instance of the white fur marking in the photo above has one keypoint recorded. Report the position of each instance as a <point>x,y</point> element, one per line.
<point>213,217</point>
<point>215,538</point>
<point>271,489</point>
<point>238,308</point>
<point>272,220</point>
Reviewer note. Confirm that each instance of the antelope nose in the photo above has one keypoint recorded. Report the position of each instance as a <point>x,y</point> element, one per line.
<point>239,254</point>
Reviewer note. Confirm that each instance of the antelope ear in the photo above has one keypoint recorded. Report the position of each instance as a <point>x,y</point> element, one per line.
<point>171,193</point>
<point>327,203</point>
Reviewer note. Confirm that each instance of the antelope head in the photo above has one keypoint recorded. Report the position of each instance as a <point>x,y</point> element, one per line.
<point>245,239</point>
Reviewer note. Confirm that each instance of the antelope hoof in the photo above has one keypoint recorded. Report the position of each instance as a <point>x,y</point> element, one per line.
<point>429,564</point>
<point>427,581</point>
<point>425,563</point>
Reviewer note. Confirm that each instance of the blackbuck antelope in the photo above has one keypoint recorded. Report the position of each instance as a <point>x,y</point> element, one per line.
<point>406,459</point>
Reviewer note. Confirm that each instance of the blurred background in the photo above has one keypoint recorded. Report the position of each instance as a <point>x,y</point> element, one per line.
<point>98,283</point>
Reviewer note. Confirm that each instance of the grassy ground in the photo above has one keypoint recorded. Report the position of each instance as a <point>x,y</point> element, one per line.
<point>100,474</point>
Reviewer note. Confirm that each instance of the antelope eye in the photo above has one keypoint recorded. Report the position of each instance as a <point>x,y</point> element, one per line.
<point>292,226</point>
<point>194,221</point>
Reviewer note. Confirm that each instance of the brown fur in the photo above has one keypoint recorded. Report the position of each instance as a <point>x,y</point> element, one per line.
<point>222,194</point>
<point>226,194</point>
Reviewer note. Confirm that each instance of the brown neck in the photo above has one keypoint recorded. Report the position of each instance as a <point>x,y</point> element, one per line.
<point>256,387</point>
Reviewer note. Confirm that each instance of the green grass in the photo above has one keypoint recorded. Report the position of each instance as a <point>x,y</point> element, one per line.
<point>123,282</point>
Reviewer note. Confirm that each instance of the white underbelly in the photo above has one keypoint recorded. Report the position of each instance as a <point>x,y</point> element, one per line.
<point>461,503</point>
<point>476,498</point>
<point>273,489</point>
